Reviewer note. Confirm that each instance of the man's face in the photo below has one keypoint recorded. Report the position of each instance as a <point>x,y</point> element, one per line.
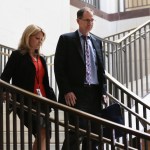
<point>86,22</point>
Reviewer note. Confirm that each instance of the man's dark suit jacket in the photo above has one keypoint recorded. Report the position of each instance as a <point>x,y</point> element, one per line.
<point>21,70</point>
<point>69,65</point>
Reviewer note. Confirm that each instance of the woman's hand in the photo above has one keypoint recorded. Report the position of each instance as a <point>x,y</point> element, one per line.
<point>4,96</point>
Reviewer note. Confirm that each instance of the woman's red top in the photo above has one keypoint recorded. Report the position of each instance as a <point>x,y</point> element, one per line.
<point>39,76</point>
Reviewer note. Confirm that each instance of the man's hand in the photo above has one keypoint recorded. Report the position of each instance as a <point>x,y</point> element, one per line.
<point>70,99</point>
<point>105,100</point>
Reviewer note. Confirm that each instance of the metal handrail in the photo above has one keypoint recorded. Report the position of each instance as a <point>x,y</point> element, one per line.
<point>5,54</point>
<point>87,116</point>
<point>132,32</point>
<point>126,90</point>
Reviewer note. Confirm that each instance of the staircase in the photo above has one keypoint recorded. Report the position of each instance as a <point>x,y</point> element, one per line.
<point>126,97</point>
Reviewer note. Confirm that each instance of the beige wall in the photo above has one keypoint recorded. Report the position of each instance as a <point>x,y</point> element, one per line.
<point>52,16</point>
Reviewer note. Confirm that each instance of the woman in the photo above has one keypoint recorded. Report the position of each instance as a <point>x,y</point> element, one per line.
<point>28,70</point>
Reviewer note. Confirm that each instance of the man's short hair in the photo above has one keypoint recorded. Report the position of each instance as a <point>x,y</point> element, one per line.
<point>82,10</point>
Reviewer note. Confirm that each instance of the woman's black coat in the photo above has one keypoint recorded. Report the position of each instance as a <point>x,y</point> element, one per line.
<point>21,70</point>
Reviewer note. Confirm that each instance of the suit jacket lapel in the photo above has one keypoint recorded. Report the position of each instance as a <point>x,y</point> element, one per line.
<point>77,42</point>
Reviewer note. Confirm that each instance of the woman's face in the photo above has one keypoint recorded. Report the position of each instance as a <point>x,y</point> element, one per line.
<point>35,41</point>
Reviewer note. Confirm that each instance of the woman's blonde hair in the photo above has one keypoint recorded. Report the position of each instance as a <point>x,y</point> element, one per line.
<point>29,31</point>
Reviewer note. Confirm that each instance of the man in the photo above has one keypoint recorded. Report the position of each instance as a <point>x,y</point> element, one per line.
<point>80,74</point>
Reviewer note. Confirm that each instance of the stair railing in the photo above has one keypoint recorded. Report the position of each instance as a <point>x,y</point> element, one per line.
<point>127,59</point>
<point>25,97</point>
<point>123,6</point>
<point>135,111</point>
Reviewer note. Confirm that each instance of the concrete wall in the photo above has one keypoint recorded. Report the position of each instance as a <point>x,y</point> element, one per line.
<point>52,16</point>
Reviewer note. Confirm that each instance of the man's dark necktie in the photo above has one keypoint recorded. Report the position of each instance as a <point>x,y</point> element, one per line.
<point>87,59</point>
